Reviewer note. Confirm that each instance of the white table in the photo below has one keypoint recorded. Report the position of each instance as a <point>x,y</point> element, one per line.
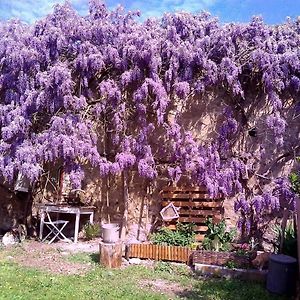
<point>64,209</point>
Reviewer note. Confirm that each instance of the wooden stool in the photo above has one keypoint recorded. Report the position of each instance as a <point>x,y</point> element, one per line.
<point>110,254</point>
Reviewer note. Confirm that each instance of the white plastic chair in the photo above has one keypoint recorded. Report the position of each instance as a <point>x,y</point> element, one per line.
<point>56,227</point>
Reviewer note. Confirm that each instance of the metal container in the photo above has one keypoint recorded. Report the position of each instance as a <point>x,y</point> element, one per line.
<point>282,274</point>
<point>110,233</point>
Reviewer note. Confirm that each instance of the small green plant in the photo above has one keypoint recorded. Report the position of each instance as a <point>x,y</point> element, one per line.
<point>295,182</point>
<point>91,230</point>
<point>241,252</point>
<point>184,235</point>
<point>168,267</point>
<point>217,238</point>
<point>162,266</point>
<point>289,246</point>
<point>253,244</point>
<point>231,265</point>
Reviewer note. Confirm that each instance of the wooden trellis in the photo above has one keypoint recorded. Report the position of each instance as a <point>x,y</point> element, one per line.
<point>195,206</point>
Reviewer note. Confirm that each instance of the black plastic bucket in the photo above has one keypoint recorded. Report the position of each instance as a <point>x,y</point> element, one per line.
<point>282,274</point>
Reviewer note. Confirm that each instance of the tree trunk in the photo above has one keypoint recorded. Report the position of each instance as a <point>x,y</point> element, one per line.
<point>110,255</point>
<point>26,200</point>
<point>126,199</point>
<point>283,227</point>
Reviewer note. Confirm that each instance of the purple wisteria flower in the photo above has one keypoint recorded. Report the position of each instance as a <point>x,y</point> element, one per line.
<point>96,91</point>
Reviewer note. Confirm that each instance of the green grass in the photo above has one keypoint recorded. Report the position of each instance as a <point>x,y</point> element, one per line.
<point>84,258</point>
<point>23,283</point>
<point>18,282</point>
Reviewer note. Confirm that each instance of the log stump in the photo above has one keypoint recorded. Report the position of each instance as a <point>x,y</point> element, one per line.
<point>110,254</point>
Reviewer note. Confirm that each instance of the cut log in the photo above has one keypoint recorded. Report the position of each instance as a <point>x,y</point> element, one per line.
<point>110,255</point>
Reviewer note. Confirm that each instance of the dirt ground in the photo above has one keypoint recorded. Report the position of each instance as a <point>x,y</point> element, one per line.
<point>53,257</point>
<point>171,289</point>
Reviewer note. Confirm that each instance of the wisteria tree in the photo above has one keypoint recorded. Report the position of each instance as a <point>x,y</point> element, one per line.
<point>96,91</point>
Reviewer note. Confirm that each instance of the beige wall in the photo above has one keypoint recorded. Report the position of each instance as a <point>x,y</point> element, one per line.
<point>203,118</point>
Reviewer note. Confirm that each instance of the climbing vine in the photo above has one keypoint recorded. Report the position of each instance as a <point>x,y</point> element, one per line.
<point>68,80</point>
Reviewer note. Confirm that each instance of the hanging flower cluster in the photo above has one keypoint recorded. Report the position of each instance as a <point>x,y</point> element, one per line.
<point>256,213</point>
<point>68,78</point>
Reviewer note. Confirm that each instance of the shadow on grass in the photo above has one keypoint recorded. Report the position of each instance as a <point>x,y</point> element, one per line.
<point>228,289</point>
<point>94,257</point>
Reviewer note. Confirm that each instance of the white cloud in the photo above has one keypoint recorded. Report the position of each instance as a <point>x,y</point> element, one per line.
<point>158,7</point>
<point>31,10</point>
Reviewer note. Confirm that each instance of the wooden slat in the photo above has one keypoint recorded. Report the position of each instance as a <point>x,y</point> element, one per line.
<point>150,251</point>
<point>196,220</point>
<point>190,196</point>
<point>147,249</point>
<point>185,196</point>
<point>195,204</point>
<point>199,212</point>
<point>170,253</point>
<point>199,237</point>
<point>191,220</point>
<point>183,189</point>
<point>202,228</point>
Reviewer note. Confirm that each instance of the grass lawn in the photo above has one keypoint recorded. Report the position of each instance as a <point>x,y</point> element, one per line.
<point>163,281</point>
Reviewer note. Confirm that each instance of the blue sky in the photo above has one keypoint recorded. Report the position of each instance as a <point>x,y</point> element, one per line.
<point>273,11</point>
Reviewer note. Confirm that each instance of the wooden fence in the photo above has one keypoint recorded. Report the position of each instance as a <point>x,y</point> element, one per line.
<point>159,252</point>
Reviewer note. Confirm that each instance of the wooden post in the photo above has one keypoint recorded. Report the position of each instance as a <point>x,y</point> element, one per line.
<point>140,218</point>
<point>107,197</point>
<point>110,255</point>
<point>77,220</point>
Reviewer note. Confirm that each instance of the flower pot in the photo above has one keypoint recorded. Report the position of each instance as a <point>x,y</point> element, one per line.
<point>110,233</point>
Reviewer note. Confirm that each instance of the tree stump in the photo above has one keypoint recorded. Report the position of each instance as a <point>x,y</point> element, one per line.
<point>110,254</point>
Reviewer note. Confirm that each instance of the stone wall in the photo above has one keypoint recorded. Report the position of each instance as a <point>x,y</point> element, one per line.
<point>107,194</point>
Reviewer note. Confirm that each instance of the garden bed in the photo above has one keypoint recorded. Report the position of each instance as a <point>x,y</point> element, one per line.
<point>234,259</point>
<point>159,252</point>
<point>227,264</point>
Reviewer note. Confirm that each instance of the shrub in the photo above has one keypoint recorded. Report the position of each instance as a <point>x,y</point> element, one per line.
<point>184,235</point>
<point>91,230</point>
<point>217,238</point>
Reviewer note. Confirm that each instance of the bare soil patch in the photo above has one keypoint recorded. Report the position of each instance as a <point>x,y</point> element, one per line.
<point>171,289</point>
<point>52,258</point>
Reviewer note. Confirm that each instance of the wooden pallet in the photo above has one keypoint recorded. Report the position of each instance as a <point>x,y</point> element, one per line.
<point>159,252</point>
<point>195,206</point>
